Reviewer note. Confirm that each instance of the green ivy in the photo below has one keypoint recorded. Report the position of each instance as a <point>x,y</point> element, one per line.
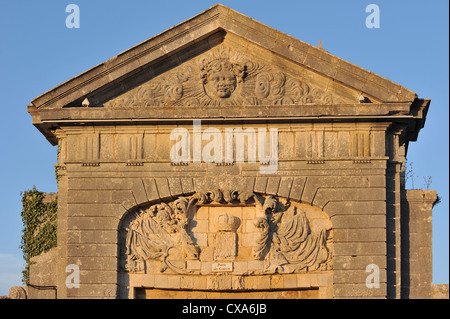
<point>39,232</point>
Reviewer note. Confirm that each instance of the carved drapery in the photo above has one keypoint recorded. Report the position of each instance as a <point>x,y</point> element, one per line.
<point>223,77</point>
<point>287,239</point>
<point>284,241</point>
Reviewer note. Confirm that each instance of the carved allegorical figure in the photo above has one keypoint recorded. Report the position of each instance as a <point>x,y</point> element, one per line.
<point>286,241</point>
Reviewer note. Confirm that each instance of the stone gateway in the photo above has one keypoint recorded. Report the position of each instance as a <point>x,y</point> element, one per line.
<point>225,159</point>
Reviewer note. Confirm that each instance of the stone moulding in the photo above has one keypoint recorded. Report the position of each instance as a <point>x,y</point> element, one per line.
<point>231,112</point>
<point>287,241</point>
<point>284,242</point>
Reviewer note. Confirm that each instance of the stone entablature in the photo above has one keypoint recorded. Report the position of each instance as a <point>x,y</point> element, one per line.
<point>350,143</point>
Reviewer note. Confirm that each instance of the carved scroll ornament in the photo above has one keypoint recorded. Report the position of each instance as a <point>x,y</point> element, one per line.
<point>222,77</point>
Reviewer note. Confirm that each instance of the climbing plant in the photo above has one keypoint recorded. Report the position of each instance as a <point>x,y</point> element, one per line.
<point>39,232</point>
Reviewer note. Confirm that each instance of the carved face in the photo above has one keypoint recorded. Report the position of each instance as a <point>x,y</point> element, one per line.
<point>173,92</point>
<point>221,84</point>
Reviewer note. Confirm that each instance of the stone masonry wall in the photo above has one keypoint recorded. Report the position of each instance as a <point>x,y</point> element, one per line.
<point>107,171</point>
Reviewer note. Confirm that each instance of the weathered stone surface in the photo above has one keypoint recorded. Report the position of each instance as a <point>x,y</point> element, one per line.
<point>288,187</point>
<point>440,291</point>
<point>42,273</point>
<point>416,242</point>
<point>18,292</point>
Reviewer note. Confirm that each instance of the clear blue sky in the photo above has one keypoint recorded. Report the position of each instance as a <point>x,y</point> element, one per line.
<point>38,52</point>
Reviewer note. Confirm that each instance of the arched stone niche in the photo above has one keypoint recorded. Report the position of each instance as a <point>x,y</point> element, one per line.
<point>226,244</point>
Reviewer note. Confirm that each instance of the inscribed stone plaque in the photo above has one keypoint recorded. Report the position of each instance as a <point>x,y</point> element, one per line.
<point>219,267</point>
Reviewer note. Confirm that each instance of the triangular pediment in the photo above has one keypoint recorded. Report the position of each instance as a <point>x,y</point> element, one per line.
<point>228,74</point>
<point>255,42</point>
<point>221,64</point>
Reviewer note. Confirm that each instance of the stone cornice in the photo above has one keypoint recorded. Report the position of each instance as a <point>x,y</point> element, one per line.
<point>258,112</point>
<point>419,196</point>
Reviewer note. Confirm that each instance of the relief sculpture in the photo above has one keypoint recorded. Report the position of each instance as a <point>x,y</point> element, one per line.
<point>222,77</point>
<point>160,233</point>
<point>286,240</point>
<point>283,239</point>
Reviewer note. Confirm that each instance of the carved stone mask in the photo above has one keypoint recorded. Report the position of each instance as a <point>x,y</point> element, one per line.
<point>222,84</point>
<point>221,75</point>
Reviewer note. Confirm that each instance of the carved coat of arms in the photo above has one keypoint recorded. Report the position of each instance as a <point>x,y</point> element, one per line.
<point>284,242</point>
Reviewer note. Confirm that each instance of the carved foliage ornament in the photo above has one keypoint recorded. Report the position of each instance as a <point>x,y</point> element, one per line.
<point>285,241</point>
<point>158,232</point>
<point>222,77</point>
